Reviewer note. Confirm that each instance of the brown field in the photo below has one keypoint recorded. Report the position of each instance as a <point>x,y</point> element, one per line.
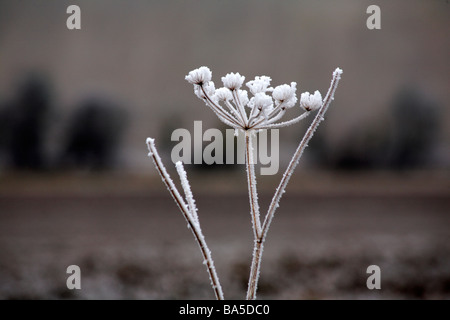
<point>132,243</point>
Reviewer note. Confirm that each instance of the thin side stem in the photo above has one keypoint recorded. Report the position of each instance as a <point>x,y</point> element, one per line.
<point>283,124</point>
<point>239,106</point>
<point>278,116</point>
<point>276,110</point>
<point>266,117</point>
<point>258,248</point>
<point>187,192</point>
<point>233,110</point>
<point>298,153</point>
<point>219,111</point>
<point>193,225</point>
<point>254,114</point>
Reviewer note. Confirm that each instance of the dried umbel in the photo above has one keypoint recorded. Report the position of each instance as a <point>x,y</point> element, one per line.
<point>230,102</point>
<point>266,108</point>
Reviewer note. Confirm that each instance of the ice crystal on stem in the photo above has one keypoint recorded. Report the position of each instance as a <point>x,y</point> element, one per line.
<point>230,104</point>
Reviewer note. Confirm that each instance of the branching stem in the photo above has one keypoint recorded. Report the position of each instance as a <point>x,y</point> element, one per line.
<point>259,242</point>
<point>238,115</point>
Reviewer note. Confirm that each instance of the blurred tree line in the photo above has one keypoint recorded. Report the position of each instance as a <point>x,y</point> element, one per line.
<point>89,140</point>
<point>404,139</point>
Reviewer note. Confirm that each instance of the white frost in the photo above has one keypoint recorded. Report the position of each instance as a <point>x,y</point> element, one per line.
<point>208,87</point>
<point>311,102</point>
<point>262,101</point>
<point>187,191</point>
<point>193,225</point>
<point>223,94</point>
<point>199,76</point>
<point>233,81</point>
<point>265,112</point>
<point>260,84</point>
<point>286,94</point>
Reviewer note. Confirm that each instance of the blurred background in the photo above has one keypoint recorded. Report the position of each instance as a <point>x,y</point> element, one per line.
<point>77,187</point>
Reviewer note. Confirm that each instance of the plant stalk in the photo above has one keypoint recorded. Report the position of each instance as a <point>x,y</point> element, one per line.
<point>193,225</point>
<point>259,239</point>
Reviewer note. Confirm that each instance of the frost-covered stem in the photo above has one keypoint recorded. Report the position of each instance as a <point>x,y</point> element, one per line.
<point>271,114</point>
<point>219,111</point>
<point>153,153</point>
<point>232,109</point>
<point>254,270</point>
<point>187,192</point>
<point>256,221</point>
<point>278,116</point>
<point>276,110</point>
<point>251,180</point>
<point>239,105</point>
<point>193,223</point>
<point>298,153</point>
<point>254,114</point>
<point>285,123</point>
<point>258,248</point>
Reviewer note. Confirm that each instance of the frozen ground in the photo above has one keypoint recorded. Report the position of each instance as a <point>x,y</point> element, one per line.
<point>131,245</point>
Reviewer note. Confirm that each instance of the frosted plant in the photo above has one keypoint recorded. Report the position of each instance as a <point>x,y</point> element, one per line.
<point>265,111</point>
<point>189,211</point>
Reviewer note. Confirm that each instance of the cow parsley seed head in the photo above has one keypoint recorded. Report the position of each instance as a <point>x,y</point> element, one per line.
<point>199,76</point>
<point>263,111</point>
<point>223,94</point>
<point>285,94</point>
<point>262,101</point>
<point>243,97</point>
<point>233,81</point>
<point>209,89</point>
<point>311,102</point>
<point>260,84</point>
